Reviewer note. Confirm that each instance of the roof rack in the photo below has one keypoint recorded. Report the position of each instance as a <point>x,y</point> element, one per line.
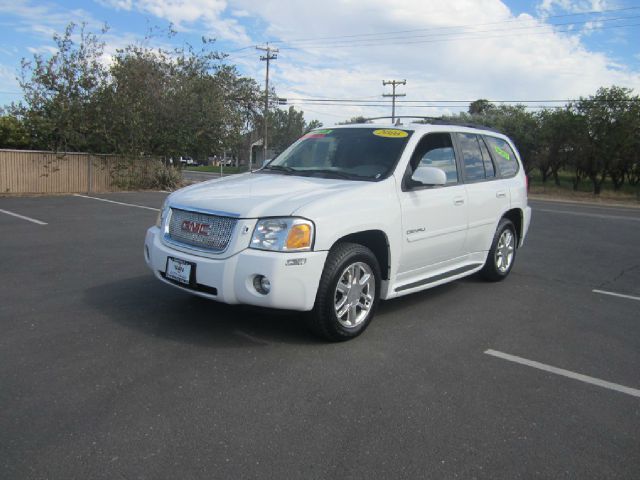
<point>435,121</point>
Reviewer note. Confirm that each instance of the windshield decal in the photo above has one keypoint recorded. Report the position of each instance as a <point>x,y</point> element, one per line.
<point>391,133</point>
<point>317,134</point>
<point>503,153</point>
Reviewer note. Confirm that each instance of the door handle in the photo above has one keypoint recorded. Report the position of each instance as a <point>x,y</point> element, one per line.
<point>458,201</point>
<point>501,194</point>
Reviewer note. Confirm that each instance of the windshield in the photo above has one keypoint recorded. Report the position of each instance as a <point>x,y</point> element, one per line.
<point>351,153</point>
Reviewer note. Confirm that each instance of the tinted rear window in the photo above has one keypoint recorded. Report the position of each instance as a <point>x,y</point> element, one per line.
<point>503,155</point>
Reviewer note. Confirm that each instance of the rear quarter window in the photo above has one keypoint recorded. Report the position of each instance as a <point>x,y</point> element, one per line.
<point>503,156</point>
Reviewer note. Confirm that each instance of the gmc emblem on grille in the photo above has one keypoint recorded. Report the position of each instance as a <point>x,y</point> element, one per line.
<point>197,228</point>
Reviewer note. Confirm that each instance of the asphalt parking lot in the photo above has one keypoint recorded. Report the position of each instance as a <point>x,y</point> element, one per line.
<point>107,373</point>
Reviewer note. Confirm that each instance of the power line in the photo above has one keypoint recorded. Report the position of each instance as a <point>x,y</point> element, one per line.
<point>475,32</point>
<point>337,38</point>
<point>515,20</point>
<point>356,100</point>
<point>461,36</point>
<point>385,105</point>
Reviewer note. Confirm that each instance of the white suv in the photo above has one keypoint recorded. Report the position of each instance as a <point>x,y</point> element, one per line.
<point>345,217</point>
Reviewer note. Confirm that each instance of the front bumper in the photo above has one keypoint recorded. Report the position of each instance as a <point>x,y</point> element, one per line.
<point>230,280</point>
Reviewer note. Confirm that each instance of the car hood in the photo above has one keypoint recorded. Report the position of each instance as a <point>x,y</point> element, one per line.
<point>254,195</point>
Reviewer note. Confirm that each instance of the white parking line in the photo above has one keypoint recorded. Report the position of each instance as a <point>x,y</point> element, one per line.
<point>594,215</point>
<point>117,203</point>
<point>614,294</point>
<point>28,219</point>
<point>565,373</point>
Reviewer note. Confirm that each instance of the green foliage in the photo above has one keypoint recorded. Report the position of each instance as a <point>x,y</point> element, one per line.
<point>596,138</point>
<point>480,107</point>
<point>611,130</point>
<point>59,91</point>
<point>13,133</point>
<point>352,120</point>
<point>286,126</point>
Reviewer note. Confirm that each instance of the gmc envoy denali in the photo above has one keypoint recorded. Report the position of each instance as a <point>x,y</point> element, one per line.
<point>345,217</point>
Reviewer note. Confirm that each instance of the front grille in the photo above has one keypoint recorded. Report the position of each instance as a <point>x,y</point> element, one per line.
<point>212,232</point>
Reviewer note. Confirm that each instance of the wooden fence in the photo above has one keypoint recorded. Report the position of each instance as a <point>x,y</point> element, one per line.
<point>27,171</point>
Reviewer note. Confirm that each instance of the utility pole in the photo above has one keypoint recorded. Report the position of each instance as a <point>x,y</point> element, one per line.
<point>270,55</point>
<point>393,84</point>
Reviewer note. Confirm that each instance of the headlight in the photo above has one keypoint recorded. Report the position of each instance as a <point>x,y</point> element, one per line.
<point>283,234</point>
<point>162,213</point>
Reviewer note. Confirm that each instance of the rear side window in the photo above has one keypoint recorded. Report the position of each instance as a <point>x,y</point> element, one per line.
<point>489,168</point>
<point>471,157</point>
<point>503,155</point>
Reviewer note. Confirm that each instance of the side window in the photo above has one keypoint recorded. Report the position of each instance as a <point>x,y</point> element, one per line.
<point>436,150</point>
<point>471,157</point>
<point>489,168</point>
<point>503,156</point>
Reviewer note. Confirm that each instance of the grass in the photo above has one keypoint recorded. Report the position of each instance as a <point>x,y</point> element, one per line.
<point>627,193</point>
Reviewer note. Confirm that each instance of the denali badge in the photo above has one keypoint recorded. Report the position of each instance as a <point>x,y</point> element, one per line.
<point>416,230</point>
<point>197,228</point>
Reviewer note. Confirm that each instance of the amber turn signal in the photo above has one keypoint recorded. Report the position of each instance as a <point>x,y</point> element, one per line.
<point>299,237</point>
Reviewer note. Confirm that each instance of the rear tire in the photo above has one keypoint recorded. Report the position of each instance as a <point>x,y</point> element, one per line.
<point>502,253</point>
<point>348,293</point>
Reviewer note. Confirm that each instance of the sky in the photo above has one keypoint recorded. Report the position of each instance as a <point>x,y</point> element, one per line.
<point>333,55</point>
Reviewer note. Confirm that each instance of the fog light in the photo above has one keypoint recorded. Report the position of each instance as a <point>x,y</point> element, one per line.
<point>261,284</point>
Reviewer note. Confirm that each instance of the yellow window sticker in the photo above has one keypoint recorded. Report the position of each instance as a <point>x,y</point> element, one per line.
<point>391,133</point>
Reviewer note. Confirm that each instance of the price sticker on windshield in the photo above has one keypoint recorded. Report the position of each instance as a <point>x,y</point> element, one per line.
<point>391,133</point>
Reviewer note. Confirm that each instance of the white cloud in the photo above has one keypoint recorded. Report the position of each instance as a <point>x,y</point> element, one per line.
<point>184,13</point>
<point>9,86</point>
<point>117,4</point>
<point>44,20</point>
<point>43,49</point>
<point>573,6</point>
<point>502,57</point>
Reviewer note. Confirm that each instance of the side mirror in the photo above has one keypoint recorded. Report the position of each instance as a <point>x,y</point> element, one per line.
<point>429,176</point>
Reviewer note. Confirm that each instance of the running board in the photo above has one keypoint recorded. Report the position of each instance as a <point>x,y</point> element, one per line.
<point>437,278</point>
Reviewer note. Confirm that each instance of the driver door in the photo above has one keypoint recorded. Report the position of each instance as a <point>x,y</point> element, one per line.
<point>434,218</point>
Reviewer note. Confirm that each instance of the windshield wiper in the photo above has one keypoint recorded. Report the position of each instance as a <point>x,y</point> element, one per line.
<point>335,173</point>
<point>280,168</point>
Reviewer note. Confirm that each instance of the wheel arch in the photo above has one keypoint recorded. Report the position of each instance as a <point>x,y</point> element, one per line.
<point>376,241</point>
<point>516,215</point>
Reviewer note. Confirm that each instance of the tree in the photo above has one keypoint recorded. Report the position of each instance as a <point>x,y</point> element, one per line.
<point>13,133</point>
<point>58,91</point>
<point>560,140</point>
<point>286,126</point>
<point>517,123</point>
<point>611,133</point>
<point>481,107</point>
<point>352,120</point>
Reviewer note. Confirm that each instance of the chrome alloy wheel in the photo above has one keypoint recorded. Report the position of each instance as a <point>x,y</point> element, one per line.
<point>504,251</point>
<point>354,294</point>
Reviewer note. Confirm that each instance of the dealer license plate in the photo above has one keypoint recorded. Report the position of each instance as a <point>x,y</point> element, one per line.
<point>179,270</point>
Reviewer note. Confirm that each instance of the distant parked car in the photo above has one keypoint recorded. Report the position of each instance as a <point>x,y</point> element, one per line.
<point>188,162</point>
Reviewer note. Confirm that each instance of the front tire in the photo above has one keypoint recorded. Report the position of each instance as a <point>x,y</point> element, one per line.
<point>502,253</point>
<point>348,293</point>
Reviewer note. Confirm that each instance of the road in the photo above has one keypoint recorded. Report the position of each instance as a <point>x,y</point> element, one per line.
<point>107,373</point>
